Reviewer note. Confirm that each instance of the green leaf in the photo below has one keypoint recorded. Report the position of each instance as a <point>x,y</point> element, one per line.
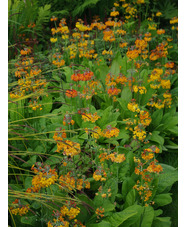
<point>127,185</point>
<point>162,222</point>
<point>101,73</point>
<point>58,114</point>
<point>115,67</point>
<point>29,220</point>
<point>68,72</point>
<point>129,213</point>
<point>61,13</point>
<point>170,122</point>
<point>43,15</point>
<point>158,212</point>
<point>163,199</point>
<point>108,206</point>
<point>36,205</point>
<point>28,182</point>
<point>30,162</point>
<point>108,117</point>
<point>157,117</point>
<point>148,217</point>
<point>101,224</point>
<point>113,185</point>
<point>144,74</point>
<point>130,198</point>
<point>124,65</point>
<point>81,7</point>
<point>167,178</point>
<point>86,207</point>
<point>83,136</point>
<point>145,98</point>
<point>47,103</point>
<point>126,95</point>
<point>53,160</point>
<point>128,166</point>
<point>156,138</point>
<point>173,130</point>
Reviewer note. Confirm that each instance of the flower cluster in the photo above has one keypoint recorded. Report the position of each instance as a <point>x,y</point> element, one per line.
<point>87,75</point>
<point>114,157</point>
<point>90,117</point>
<point>30,79</point>
<point>71,182</point>
<point>110,131</point>
<point>57,59</point>
<point>68,147</point>
<point>100,175</point>
<point>133,106</point>
<point>67,216</point>
<point>19,209</point>
<point>68,120</point>
<point>140,89</point>
<point>100,212</point>
<point>44,178</point>
<point>145,167</point>
<point>71,93</point>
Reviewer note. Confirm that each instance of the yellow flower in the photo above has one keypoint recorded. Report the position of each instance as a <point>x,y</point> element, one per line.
<point>90,117</point>
<point>53,40</point>
<point>174,20</point>
<point>140,1</point>
<point>158,14</point>
<point>114,13</point>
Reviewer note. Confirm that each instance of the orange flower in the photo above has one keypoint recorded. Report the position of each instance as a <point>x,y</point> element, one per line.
<point>160,31</point>
<point>113,91</point>
<point>71,93</point>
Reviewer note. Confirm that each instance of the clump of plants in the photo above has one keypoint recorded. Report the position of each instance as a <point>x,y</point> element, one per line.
<point>89,120</point>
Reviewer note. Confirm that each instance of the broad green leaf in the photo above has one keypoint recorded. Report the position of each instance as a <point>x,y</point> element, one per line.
<point>127,185</point>
<point>108,117</point>
<point>29,220</point>
<point>36,205</point>
<point>162,199</point>
<point>157,117</point>
<point>104,118</point>
<point>126,95</point>
<point>59,113</point>
<point>170,122</point>
<point>145,98</point>
<point>128,166</point>
<point>53,160</point>
<point>113,185</point>
<point>115,68</point>
<point>167,178</point>
<point>157,138</point>
<point>86,206</point>
<point>161,222</point>
<point>144,74</point>
<point>130,198</point>
<point>118,218</point>
<point>68,73</point>
<point>148,217</point>
<point>101,224</point>
<point>83,136</point>
<point>173,130</point>
<point>158,212</point>
<point>124,65</point>
<point>108,206</point>
<point>47,103</point>
<point>101,73</point>
<point>28,182</point>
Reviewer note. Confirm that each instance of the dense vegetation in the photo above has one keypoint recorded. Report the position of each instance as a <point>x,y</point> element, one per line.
<point>93,113</point>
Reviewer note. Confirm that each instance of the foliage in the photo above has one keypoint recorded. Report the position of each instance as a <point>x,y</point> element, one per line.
<point>93,120</point>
